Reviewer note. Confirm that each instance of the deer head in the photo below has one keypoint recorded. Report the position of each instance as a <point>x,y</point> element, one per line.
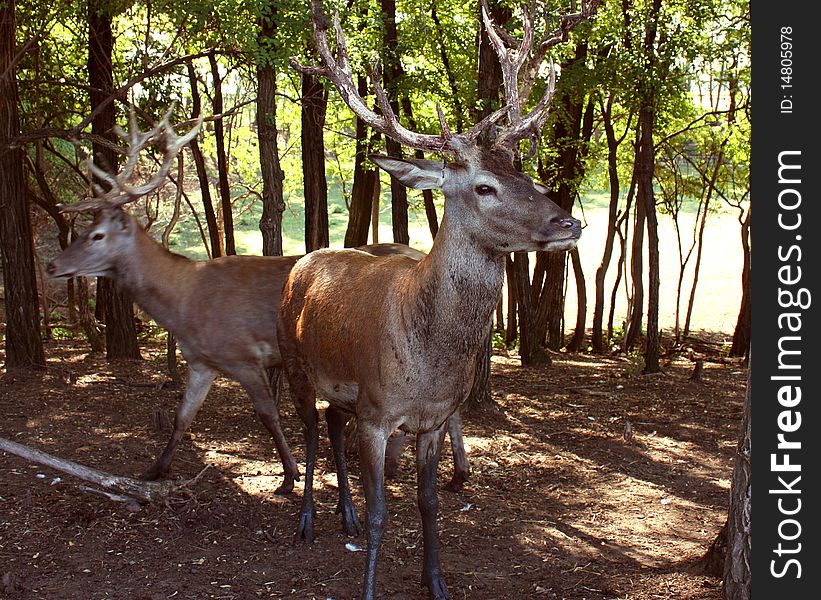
<point>493,202</point>
<point>112,233</point>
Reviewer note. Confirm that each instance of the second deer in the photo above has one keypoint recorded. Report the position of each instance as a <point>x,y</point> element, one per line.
<point>392,341</point>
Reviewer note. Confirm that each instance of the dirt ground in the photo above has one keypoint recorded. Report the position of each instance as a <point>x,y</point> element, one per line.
<point>559,505</point>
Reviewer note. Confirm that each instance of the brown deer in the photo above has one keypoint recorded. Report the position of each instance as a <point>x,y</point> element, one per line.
<point>391,340</point>
<point>222,311</point>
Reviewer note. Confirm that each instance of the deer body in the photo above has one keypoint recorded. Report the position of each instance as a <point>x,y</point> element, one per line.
<point>392,341</point>
<point>223,313</point>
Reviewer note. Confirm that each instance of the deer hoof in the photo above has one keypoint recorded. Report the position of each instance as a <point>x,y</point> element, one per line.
<point>457,482</point>
<point>286,488</point>
<point>305,531</point>
<point>436,586</point>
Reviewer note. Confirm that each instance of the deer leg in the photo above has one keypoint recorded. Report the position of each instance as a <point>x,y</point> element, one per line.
<point>304,399</point>
<point>372,442</point>
<point>337,420</point>
<point>461,466</point>
<point>256,384</point>
<point>428,450</point>
<point>199,382</point>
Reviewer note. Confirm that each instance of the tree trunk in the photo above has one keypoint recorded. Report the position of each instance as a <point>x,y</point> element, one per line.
<point>511,332</point>
<point>530,347</point>
<point>115,307</point>
<point>743,329</point>
<point>364,182</point>
<point>391,74</point>
<point>24,347</point>
<point>737,575</point>
<point>597,333</point>
<point>572,129</point>
<point>222,160</point>
<point>479,397</point>
<point>577,343</point>
<point>273,198</point>
<point>202,173</point>
<point>489,81</point>
<point>314,102</point>
<point>647,199</point>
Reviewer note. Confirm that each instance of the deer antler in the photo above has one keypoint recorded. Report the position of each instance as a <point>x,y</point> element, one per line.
<point>120,192</point>
<point>513,58</point>
<point>338,70</point>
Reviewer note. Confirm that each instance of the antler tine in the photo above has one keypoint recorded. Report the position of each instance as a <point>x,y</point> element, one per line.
<point>516,92</point>
<point>173,144</point>
<point>338,70</point>
<point>121,193</point>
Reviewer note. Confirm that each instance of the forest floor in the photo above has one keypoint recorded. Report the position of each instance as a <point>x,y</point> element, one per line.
<point>560,503</point>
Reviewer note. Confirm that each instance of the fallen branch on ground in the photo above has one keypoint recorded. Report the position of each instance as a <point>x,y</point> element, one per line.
<point>141,491</point>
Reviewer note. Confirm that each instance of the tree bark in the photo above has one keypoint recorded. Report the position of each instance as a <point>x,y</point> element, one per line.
<point>571,131</point>
<point>273,198</point>
<point>597,333</point>
<point>577,342</point>
<point>364,181</point>
<point>743,329</point>
<point>24,347</point>
<point>222,160</point>
<point>314,101</point>
<point>391,74</point>
<point>737,568</point>
<point>115,307</point>
<point>648,201</point>
<point>530,347</point>
<point>202,172</point>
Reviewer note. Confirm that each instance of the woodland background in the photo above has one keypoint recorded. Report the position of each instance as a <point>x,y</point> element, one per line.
<point>649,145</point>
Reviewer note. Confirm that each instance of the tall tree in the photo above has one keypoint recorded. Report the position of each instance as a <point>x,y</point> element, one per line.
<point>24,348</point>
<point>273,201</point>
<point>115,306</point>
<point>222,158</point>
<point>392,73</point>
<point>315,185</point>
<point>202,174</point>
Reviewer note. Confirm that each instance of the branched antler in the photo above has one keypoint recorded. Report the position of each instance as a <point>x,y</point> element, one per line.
<point>120,192</point>
<point>513,56</point>
<point>338,70</point>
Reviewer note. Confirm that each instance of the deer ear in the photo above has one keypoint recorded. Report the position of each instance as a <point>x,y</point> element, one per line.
<point>415,173</point>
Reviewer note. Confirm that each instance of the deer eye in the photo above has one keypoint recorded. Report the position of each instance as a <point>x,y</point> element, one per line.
<point>485,190</point>
<point>98,236</point>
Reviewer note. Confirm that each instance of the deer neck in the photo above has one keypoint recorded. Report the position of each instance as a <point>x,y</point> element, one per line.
<point>155,278</point>
<point>453,292</point>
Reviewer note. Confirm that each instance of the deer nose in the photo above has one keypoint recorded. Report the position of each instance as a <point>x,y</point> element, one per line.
<point>51,269</point>
<point>567,223</point>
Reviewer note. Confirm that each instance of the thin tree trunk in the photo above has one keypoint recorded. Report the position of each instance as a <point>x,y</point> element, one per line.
<point>577,342</point>
<point>24,348</point>
<point>202,174</point>
<point>530,347</point>
<point>511,333</point>
<point>314,100</point>
<point>115,306</point>
<point>597,333</point>
<point>737,568</point>
<point>392,73</point>
<point>222,160</point>
<point>636,314</point>
<point>743,329</point>
<point>364,182</point>
<point>647,199</point>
